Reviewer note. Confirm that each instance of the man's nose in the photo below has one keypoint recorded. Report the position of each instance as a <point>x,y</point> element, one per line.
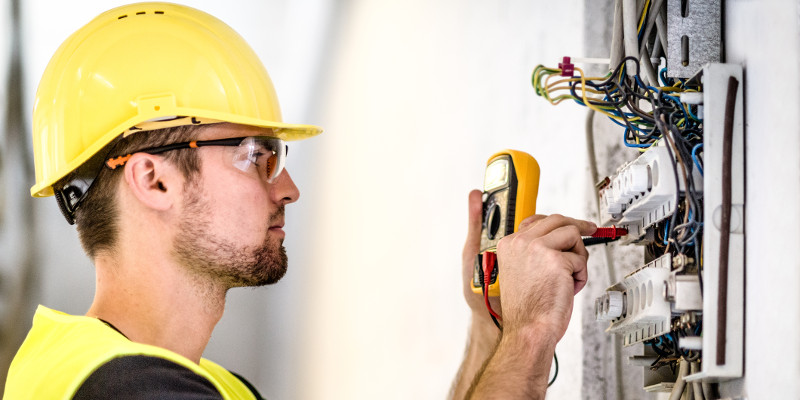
<point>283,189</point>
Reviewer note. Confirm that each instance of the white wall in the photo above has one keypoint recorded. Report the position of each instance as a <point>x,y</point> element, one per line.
<point>764,37</point>
<point>418,96</point>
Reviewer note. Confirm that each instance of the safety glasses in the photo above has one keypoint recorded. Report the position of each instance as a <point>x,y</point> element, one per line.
<point>266,153</point>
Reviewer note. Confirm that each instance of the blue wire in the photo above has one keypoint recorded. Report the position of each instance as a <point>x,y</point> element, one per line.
<point>678,102</point>
<point>635,145</point>
<point>694,158</point>
<point>691,114</point>
<point>663,76</point>
<point>666,229</point>
<point>691,230</point>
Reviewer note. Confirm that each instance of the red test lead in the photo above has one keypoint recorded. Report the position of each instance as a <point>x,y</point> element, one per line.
<point>605,235</point>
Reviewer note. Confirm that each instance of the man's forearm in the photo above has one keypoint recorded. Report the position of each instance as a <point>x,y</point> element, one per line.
<point>518,369</point>
<point>483,338</point>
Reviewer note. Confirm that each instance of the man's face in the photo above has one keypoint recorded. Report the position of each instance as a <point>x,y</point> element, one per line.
<point>230,228</point>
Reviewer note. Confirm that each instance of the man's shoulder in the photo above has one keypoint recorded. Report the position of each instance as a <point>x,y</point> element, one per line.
<point>145,377</point>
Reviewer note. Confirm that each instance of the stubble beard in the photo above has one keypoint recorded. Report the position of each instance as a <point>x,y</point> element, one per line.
<point>226,262</point>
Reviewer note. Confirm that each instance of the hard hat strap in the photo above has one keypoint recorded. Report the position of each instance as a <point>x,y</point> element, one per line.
<point>70,196</point>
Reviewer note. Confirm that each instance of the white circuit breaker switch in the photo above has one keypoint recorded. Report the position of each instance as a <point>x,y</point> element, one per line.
<point>642,193</point>
<point>609,306</point>
<point>646,313</point>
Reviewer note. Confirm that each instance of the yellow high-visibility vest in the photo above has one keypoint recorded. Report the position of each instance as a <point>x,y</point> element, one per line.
<point>62,350</point>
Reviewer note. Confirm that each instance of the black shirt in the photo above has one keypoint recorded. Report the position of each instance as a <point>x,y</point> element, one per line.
<point>147,377</point>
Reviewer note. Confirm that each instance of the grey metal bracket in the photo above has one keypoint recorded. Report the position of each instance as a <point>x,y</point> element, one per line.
<point>694,36</point>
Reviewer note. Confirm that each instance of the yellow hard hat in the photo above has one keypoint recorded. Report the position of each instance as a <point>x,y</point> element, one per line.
<point>139,67</point>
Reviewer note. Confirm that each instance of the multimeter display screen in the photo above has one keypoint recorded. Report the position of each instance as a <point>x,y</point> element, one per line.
<point>496,174</point>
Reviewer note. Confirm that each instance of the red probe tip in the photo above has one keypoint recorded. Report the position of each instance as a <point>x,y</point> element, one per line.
<point>612,232</point>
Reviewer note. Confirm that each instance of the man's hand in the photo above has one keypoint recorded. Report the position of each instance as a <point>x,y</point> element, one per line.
<point>541,267</point>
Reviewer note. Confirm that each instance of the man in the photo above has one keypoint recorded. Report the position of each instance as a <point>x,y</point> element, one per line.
<point>158,131</point>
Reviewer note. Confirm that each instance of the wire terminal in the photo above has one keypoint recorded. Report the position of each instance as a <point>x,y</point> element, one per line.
<point>567,68</point>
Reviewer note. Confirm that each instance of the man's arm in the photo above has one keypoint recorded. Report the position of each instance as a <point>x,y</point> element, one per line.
<point>483,334</point>
<point>542,267</point>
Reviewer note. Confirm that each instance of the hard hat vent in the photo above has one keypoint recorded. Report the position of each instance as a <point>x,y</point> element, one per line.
<point>140,13</point>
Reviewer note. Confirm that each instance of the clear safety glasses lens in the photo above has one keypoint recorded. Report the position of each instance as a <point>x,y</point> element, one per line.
<point>267,154</point>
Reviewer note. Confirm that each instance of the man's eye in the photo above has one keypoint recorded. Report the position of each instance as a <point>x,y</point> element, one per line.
<point>256,157</point>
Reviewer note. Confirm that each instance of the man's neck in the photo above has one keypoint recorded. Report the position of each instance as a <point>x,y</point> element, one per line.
<point>157,302</point>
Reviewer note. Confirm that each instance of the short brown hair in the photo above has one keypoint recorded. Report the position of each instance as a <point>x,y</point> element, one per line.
<point>97,217</point>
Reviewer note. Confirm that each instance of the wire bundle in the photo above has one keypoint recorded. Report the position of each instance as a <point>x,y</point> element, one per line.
<point>626,100</point>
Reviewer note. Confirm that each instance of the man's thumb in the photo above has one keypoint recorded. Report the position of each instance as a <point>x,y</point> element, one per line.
<point>473,242</point>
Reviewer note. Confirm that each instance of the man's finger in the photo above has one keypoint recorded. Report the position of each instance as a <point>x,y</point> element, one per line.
<point>542,226</point>
<point>530,221</point>
<point>580,274</point>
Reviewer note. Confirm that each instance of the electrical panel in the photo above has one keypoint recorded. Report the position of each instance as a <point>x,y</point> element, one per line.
<point>692,300</point>
<point>681,195</point>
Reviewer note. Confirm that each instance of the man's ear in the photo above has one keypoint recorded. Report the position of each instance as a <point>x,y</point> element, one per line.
<point>154,182</point>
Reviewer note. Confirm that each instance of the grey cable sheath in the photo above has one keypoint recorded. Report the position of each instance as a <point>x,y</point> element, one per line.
<point>617,49</point>
<point>680,384</point>
<point>650,75</point>
<point>655,10</point>
<point>629,32</point>
<point>694,368</point>
<point>661,29</point>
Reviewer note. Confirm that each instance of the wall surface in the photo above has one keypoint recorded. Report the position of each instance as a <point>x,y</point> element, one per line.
<point>419,95</point>
<point>764,37</point>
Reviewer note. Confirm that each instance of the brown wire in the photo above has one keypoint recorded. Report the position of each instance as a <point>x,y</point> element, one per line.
<point>725,223</point>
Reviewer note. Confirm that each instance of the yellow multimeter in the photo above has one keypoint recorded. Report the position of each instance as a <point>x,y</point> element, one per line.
<point>510,188</point>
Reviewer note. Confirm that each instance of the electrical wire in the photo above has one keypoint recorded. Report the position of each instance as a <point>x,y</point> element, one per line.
<point>555,375</point>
